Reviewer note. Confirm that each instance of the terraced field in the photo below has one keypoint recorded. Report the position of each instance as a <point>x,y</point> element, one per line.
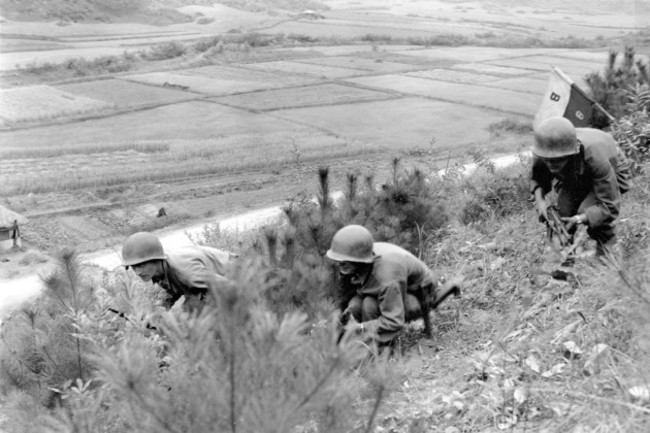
<point>317,95</point>
<point>214,139</point>
<point>43,103</point>
<point>125,93</point>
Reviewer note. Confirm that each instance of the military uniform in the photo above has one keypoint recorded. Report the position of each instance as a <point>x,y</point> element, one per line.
<point>385,300</point>
<point>591,183</point>
<point>192,272</point>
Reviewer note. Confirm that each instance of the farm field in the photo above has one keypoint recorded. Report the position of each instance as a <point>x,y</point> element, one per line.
<point>498,99</point>
<point>185,129</point>
<point>199,138</point>
<point>313,70</point>
<point>170,135</point>
<point>41,103</point>
<point>317,95</point>
<point>125,93</point>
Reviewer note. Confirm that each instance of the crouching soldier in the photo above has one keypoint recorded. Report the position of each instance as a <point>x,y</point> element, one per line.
<point>589,173</point>
<point>190,271</point>
<point>392,286</point>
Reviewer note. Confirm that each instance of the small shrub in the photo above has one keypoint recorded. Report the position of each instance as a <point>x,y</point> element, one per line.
<point>632,133</point>
<point>510,126</point>
<point>41,347</point>
<point>32,257</point>
<point>205,20</point>
<point>371,37</point>
<point>611,87</point>
<point>301,38</point>
<point>498,194</point>
<point>165,50</point>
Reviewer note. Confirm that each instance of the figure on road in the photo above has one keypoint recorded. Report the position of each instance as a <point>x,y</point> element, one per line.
<point>589,173</point>
<point>191,271</point>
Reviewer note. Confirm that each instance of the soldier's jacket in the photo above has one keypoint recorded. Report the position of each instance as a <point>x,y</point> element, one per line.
<point>395,272</point>
<point>192,271</point>
<point>599,168</point>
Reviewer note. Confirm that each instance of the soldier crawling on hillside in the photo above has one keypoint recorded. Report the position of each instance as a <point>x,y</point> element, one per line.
<point>392,285</point>
<point>191,271</point>
<point>589,173</point>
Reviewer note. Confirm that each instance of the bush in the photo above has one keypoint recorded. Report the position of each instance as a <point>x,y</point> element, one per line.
<point>611,88</point>
<point>405,210</point>
<point>41,348</point>
<point>70,364</point>
<point>165,50</point>
<point>510,126</point>
<point>632,133</point>
<point>496,194</point>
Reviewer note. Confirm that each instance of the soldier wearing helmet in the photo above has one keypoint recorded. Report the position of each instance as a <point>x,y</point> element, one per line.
<point>387,279</point>
<point>190,271</point>
<point>588,172</point>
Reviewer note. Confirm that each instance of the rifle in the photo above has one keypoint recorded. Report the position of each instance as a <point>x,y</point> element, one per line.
<point>555,227</point>
<point>125,317</point>
<point>432,296</point>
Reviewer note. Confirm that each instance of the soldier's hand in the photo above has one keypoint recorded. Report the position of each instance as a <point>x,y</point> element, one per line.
<point>542,205</point>
<point>574,221</point>
<point>353,326</point>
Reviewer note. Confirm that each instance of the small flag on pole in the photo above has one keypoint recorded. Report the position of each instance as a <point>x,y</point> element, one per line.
<point>564,98</point>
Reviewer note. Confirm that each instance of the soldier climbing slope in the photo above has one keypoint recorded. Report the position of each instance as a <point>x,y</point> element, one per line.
<point>589,174</point>
<point>392,286</point>
<point>191,271</point>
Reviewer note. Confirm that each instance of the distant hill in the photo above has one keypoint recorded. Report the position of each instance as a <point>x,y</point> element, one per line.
<point>159,12</point>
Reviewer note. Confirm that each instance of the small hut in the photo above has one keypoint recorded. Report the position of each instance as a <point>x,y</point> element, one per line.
<point>10,223</point>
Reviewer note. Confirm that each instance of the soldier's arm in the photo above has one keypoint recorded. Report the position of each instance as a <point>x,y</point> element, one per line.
<point>606,193</point>
<point>391,308</point>
<point>201,278</point>
<point>540,178</point>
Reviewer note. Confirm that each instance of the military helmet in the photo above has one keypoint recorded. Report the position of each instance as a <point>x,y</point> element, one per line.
<point>555,137</point>
<point>352,243</point>
<point>141,247</point>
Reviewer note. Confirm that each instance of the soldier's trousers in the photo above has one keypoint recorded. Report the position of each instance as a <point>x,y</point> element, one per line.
<point>571,203</point>
<point>366,308</point>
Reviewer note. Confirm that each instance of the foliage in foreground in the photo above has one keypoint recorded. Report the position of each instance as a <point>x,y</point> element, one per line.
<point>234,366</point>
<point>522,351</point>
